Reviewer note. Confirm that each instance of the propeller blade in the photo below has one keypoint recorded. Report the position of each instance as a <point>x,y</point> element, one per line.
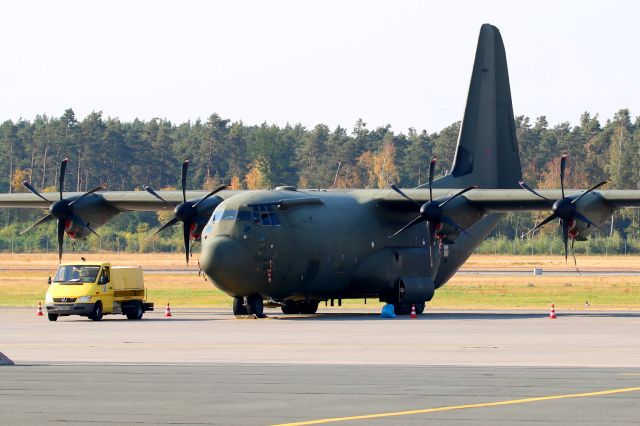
<point>63,170</point>
<point>528,188</point>
<point>215,191</point>
<point>185,167</point>
<point>457,195</point>
<point>432,168</point>
<point>186,233</point>
<point>544,222</point>
<point>76,219</point>
<point>170,223</point>
<point>47,218</point>
<point>563,166</point>
<point>34,191</point>
<point>408,225</point>
<point>60,239</point>
<point>584,219</point>
<point>97,188</point>
<point>593,188</point>
<point>565,237</point>
<point>152,192</point>
<point>395,188</point>
<point>450,222</point>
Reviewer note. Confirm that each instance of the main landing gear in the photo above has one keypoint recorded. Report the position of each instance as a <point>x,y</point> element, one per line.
<point>303,307</point>
<point>251,305</point>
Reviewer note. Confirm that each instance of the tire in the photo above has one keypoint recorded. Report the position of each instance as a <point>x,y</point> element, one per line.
<point>401,308</point>
<point>135,311</point>
<point>52,317</point>
<point>238,306</point>
<point>308,308</point>
<point>255,305</point>
<point>420,308</point>
<point>96,314</point>
<point>290,307</point>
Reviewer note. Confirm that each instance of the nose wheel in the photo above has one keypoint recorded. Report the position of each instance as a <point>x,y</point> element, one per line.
<point>251,305</point>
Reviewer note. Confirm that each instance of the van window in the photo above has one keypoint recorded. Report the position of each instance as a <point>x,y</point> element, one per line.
<point>76,274</point>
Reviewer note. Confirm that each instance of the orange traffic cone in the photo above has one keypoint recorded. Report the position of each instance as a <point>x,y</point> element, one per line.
<point>39,310</point>
<point>552,313</point>
<point>167,311</point>
<point>413,311</point>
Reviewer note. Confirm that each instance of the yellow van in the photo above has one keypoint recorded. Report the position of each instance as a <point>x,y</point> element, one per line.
<point>95,289</point>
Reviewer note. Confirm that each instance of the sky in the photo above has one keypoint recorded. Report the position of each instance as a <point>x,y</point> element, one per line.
<point>402,63</point>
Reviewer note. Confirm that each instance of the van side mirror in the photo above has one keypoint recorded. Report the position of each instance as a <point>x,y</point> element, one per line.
<point>102,280</point>
<point>49,281</point>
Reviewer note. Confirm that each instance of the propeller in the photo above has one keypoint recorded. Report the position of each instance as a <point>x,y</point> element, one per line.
<point>185,212</point>
<point>563,209</point>
<point>62,210</point>
<point>432,211</point>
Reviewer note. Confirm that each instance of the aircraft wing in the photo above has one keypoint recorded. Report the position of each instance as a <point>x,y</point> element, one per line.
<point>120,200</point>
<point>514,200</point>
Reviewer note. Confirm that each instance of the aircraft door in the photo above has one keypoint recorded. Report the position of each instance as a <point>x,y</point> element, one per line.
<point>274,242</point>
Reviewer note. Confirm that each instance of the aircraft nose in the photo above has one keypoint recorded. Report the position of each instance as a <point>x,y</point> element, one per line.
<point>228,263</point>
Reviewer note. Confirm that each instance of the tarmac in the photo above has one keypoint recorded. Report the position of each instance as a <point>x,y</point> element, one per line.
<point>340,366</point>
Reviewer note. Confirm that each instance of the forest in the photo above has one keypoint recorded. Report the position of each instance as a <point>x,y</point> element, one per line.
<point>127,155</point>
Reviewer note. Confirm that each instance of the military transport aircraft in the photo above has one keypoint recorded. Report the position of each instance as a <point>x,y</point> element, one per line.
<point>294,248</point>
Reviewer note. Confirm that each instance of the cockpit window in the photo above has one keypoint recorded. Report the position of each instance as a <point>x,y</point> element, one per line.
<point>264,216</point>
<point>244,216</point>
<point>239,215</point>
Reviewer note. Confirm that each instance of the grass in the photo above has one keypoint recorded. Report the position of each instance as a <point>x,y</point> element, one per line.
<point>20,286</point>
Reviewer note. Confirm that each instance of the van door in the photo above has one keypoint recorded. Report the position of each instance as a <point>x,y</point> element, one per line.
<point>105,288</point>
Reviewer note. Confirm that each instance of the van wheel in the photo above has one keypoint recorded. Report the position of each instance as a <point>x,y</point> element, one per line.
<point>96,314</point>
<point>52,317</point>
<point>135,311</point>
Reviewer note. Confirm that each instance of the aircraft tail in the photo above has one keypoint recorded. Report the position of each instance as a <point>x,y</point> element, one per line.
<point>487,151</point>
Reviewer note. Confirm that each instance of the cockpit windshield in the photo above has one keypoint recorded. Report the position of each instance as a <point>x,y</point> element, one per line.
<point>76,274</point>
<point>239,215</point>
<point>259,215</point>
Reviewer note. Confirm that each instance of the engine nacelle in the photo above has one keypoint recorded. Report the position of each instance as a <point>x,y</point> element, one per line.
<point>594,208</point>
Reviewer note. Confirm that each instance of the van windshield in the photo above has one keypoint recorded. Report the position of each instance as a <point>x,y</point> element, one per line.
<point>76,274</point>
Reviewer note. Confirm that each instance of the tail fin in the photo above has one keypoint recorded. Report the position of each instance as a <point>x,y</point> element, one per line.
<point>487,152</point>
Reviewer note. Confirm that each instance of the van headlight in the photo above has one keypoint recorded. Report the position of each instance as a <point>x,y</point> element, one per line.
<point>48,298</point>
<point>83,299</point>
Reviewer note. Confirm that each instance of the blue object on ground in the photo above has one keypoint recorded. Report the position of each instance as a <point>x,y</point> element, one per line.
<point>388,311</point>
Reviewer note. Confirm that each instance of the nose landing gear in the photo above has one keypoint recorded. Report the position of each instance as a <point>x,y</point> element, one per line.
<point>250,305</point>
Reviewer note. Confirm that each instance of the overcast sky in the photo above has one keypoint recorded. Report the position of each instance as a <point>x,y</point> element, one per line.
<point>403,63</point>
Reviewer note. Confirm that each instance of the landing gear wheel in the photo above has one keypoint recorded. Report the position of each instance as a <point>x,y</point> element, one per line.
<point>310,307</point>
<point>52,317</point>
<point>420,308</point>
<point>255,306</point>
<point>96,314</point>
<point>135,311</point>
<point>290,307</point>
<point>402,308</point>
<point>238,306</point>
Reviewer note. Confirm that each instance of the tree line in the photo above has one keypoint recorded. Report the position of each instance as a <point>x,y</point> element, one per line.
<point>126,155</point>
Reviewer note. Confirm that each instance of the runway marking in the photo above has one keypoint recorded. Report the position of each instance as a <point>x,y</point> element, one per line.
<point>460,407</point>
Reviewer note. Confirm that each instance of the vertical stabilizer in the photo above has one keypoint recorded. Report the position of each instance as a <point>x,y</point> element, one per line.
<point>487,151</point>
